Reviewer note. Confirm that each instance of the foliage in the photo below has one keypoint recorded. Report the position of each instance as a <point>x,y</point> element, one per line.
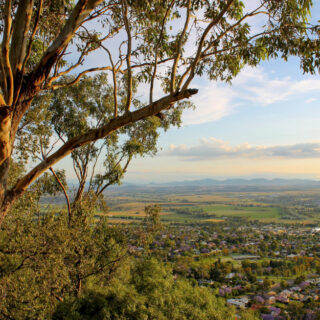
<point>71,111</point>
<point>48,259</point>
<point>150,293</point>
<point>152,50</point>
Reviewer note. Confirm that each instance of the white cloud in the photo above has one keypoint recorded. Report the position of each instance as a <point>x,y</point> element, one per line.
<point>253,86</point>
<point>311,100</point>
<point>211,149</point>
<point>212,103</point>
<point>256,85</point>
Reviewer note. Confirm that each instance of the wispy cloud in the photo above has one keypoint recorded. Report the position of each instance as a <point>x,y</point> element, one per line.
<point>311,100</point>
<point>253,86</point>
<point>210,149</point>
<point>212,103</point>
<point>257,86</point>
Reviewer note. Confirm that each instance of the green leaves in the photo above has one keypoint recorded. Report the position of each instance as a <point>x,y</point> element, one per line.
<point>150,293</point>
<point>44,260</point>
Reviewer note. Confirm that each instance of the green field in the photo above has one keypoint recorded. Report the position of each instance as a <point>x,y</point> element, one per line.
<point>247,212</point>
<point>213,213</point>
<point>182,205</point>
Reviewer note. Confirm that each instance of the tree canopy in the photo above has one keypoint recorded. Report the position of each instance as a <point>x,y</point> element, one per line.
<point>151,51</point>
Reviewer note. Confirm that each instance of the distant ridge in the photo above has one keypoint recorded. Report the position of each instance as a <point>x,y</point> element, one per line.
<point>234,184</point>
<point>240,182</point>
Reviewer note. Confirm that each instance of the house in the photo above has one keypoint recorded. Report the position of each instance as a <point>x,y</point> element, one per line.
<point>282,299</point>
<point>244,299</point>
<point>274,311</point>
<point>304,285</point>
<point>259,299</point>
<point>236,302</point>
<point>298,289</point>
<point>269,299</point>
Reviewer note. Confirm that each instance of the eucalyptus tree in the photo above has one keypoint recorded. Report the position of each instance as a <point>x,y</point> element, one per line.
<point>158,43</point>
<point>71,111</point>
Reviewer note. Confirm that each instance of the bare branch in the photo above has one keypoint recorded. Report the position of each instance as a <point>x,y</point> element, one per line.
<point>128,58</point>
<point>100,12</point>
<point>146,64</point>
<point>83,168</point>
<point>94,166</point>
<point>77,79</point>
<point>78,15</point>
<point>81,59</point>
<point>76,170</point>
<point>28,53</point>
<point>156,50</point>
<point>8,76</point>
<point>112,181</point>
<point>65,194</point>
<point>115,85</point>
<point>201,43</point>
<point>179,47</point>
<point>20,32</point>
<point>2,102</point>
<point>57,75</point>
<point>3,80</point>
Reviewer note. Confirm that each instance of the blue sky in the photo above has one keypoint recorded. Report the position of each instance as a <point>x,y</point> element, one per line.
<point>274,105</point>
<point>266,124</point>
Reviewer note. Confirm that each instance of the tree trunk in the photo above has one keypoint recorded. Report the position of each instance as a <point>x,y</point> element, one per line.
<point>7,202</point>
<point>79,194</point>
<point>5,128</point>
<point>5,152</point>
<point>4,169</point>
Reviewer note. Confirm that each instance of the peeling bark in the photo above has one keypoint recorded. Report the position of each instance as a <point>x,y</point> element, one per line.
<point>5,128</point>
<point>4,169</point>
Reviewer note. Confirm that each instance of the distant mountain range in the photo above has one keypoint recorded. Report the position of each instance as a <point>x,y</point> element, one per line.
<point>241,182</point>
<point>214,185</point>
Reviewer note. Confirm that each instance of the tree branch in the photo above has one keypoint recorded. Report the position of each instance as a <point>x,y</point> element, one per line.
<point>80,60</point>
<point>201,43</point>
<point>28,53</point>
<point>115,85</point>
<point>20,32</point>
<point>40,73</point>
<point>78,15</point>
<point>65,194</point>
<point>128,58</point>
<point>112,181</point>
<point>92,135</point>
<point>156,51</point>
<point>8,76</point>
<point>94,167</point>
<point>77,79</point>
<point>178,52</point>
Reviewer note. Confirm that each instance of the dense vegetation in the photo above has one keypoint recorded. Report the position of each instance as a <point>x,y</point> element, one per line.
<point>144,44</point>
<point>68,262</point>
<point>51,269</point>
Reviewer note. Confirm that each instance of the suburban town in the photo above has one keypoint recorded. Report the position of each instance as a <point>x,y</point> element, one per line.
<point>273,269</point>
